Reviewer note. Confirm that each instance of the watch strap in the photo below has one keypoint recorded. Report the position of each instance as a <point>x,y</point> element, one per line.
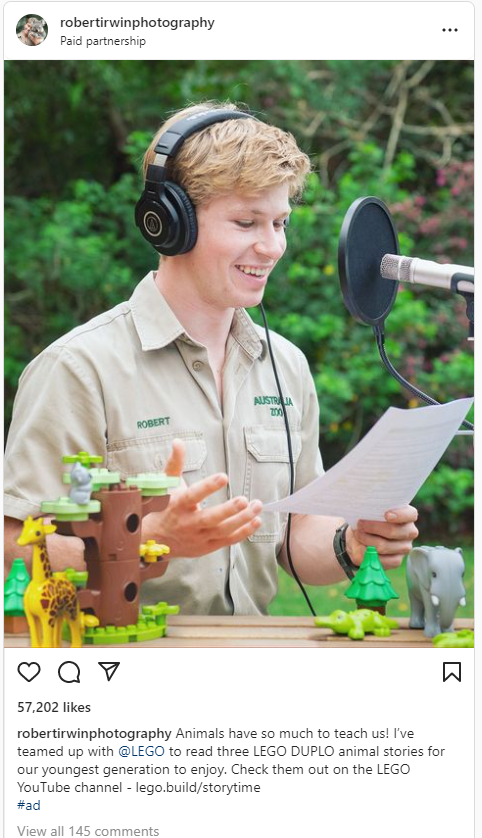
<point>342,556</point>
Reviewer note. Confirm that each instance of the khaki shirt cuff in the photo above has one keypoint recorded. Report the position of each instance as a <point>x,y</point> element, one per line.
<point>19,508</point>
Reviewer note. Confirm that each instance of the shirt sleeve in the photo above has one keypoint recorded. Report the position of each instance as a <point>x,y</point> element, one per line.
<point>58,410</point>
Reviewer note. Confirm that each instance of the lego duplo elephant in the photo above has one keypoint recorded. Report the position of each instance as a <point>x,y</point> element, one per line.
<point>435,588</point>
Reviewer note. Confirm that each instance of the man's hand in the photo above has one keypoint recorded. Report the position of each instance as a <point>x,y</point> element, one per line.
<point>392,538</point>
<point>187,528</point>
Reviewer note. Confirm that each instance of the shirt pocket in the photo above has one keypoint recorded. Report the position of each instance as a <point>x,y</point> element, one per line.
<point>133,456</point>
<point>267,474</point>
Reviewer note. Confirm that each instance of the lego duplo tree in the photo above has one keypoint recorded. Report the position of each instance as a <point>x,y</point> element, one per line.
<point>15,621</point>
<point>371,586</point>
<point>110,527</point>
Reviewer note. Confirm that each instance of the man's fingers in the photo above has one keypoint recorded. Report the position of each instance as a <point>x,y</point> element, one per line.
<point>226,529</point>
<point>237,536</point>
<point>391,562</point>
<point>200,491</point>
<point>175,464</point>
<point>403,515</point>
<point>215,515</point>
<point>384,546</point>
<point>398,532</point>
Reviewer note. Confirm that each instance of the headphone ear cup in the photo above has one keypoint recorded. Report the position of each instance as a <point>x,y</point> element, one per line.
<point>184,230</point>
<point>152,219</point>
<point>167,220</point>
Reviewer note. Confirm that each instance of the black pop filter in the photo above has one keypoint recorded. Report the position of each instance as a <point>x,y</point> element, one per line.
<point>367,234</point>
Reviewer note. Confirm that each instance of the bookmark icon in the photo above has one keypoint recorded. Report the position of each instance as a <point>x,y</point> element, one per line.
<point>452,669</point>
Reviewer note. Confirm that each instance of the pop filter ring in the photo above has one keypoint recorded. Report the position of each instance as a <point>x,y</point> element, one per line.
<point>367,234</point>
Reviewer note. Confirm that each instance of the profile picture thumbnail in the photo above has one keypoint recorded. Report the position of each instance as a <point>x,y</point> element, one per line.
<point>32,30</point>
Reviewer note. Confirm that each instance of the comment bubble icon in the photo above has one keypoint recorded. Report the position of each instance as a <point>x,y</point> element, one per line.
<point>69,672</point>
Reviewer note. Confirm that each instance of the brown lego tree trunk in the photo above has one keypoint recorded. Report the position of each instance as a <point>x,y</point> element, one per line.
<point>380,609</point>
<point>112,539</point>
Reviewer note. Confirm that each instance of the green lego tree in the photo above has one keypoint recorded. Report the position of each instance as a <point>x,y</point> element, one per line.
<point>371,586</point>
<point>14,619</point>
<point>14,589</point>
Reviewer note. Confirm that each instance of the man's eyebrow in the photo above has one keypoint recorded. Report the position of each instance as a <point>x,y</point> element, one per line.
<point>261,212</point>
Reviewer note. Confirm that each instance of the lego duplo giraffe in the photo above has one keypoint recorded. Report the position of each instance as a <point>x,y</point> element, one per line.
<point>49,599</point>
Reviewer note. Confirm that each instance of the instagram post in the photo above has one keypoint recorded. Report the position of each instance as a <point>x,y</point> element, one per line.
<point>239,428</point>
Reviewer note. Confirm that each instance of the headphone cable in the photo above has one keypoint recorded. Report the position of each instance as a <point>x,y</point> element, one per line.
<point>290,456</point>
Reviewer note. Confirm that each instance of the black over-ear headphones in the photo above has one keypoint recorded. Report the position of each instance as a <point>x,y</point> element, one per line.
<point>164,213</point>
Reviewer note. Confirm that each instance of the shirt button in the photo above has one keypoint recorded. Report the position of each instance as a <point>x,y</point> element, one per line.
<point>197,366</point>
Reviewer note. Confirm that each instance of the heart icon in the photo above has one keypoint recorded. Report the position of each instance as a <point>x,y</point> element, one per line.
<point>28,671</point>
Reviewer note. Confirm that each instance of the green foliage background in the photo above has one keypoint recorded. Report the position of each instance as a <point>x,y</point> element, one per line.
<point>75,135</point>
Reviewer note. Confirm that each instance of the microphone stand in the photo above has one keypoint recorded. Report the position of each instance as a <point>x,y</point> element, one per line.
<point>380,339</point>
<point>468,297</point>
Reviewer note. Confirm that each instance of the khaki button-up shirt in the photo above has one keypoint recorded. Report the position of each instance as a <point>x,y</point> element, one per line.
<point>128,382</point>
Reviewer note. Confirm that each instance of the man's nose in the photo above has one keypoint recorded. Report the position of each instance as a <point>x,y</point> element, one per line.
<point>271,243</point>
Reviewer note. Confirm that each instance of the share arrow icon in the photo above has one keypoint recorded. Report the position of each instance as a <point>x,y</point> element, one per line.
<point>109,667</point>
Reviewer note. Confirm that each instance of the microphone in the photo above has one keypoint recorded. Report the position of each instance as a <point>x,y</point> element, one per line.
<point>455,278</point>
<point>368,255</point>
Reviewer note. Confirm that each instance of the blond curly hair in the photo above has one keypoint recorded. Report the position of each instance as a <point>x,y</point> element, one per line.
<point>243,155</point>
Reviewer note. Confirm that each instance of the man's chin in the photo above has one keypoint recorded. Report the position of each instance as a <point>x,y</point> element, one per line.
<point>254,298</point>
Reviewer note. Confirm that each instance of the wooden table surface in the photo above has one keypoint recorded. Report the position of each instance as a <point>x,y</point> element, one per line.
<point>189,632</point>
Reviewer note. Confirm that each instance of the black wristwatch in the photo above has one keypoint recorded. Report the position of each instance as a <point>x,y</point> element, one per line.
<point>342,557</point>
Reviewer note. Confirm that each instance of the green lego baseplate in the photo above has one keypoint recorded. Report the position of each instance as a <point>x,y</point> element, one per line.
<point>65,510</point>
<point>82,457</point>
<point>101,478</point>
<point>152,623</point>
<point>153,483</point>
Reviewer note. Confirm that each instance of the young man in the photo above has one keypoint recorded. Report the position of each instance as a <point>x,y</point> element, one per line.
<point>32,33</point>
<point>179,378</point>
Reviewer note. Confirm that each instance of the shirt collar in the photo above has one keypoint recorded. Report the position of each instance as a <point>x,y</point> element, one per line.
<point>243,330</point>
<point>158,326</point>
<point>155,322</point>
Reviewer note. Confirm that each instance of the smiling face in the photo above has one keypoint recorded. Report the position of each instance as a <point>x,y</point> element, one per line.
<point>240,240</point>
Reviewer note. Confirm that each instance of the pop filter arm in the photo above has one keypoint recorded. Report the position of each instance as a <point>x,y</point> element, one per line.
<point>367,234</point>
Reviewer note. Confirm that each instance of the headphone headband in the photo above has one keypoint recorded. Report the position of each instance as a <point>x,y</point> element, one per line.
<point>172,139</point>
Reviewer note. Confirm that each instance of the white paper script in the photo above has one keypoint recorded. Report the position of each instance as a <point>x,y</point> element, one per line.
<point>385,470</point>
